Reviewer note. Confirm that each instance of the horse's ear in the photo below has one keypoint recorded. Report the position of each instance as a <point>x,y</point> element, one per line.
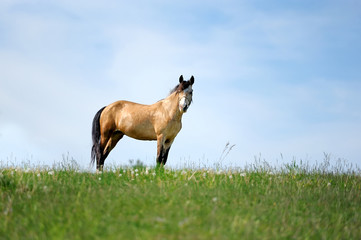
<point>192,80</point>
<point>181,79</point>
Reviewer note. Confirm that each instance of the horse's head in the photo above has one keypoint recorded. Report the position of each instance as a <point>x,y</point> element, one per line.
<point>185,93</point>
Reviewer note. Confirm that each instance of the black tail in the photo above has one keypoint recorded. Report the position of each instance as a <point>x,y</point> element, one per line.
<point>96,151</point>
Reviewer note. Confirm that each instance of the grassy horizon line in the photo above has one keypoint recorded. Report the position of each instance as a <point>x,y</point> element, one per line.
<point>141,202</point>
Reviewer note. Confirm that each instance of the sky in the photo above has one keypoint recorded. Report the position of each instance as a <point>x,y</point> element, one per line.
<point>280,80</point>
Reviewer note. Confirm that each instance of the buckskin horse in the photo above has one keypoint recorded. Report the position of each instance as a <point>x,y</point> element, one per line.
<point>160,121</point>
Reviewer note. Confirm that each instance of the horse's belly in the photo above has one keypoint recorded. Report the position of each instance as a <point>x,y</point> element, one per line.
<point>141,132</point>
<point>141,136</point>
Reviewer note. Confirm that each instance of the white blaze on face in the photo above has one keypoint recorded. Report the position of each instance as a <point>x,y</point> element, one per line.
<point>186,99</point>
<point>182,103</point>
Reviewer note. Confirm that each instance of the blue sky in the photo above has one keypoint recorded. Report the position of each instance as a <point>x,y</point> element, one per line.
<point>271,77</point>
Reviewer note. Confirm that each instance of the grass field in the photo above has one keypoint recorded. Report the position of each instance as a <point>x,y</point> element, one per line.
<point>147,203</point>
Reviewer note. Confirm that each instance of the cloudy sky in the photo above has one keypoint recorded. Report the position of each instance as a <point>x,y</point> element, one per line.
<point>279,79</point>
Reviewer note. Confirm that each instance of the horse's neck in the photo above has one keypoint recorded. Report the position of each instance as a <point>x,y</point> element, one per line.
<point>171,106</point>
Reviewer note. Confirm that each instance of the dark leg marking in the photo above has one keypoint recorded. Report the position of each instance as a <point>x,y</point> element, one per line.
<point>115,137</point>
<point>163,156</point>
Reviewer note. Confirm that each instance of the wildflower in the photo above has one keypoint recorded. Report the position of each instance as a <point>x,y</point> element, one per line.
<point>120,175</point>
<point>328,184</point>
<point>214,199</point>
<point>136,170</point>
<point>183,222</point>
<point>242,174</point>
<point>160,220</point>
<point>100,178</point>
<point>184,172</point>
<point>136,174</point>
<point>51,173</point>
<point>38,175</point>
<point>153,173</point>
<point>8,210</point>
<point>230,176</point>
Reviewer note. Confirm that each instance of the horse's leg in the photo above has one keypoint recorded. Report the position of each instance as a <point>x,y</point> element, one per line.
<point>165,155</point>
<point>104,138</point>
<point>163,147</point>
<point>108,143</point>
<point>160,149</point>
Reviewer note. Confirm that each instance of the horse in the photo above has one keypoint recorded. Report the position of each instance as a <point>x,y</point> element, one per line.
<point>160,121</point>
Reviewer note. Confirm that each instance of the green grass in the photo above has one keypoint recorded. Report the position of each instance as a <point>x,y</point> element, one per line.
<point>142,203</point>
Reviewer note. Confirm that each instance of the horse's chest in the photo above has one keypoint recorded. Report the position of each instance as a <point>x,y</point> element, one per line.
<point>173,128</point>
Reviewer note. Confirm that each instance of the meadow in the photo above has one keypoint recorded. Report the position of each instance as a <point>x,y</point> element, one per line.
<point>138,202</point>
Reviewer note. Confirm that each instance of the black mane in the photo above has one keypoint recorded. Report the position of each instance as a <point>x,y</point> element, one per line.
<point>180,87</point>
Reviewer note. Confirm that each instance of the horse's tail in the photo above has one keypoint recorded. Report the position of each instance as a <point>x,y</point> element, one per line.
<point>96,151</point>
